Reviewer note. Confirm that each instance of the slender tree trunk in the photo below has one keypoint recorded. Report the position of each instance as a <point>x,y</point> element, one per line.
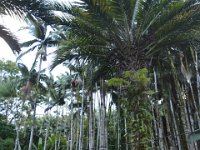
<point>91,113</point>
<point>197,74</point>
<point>99,116</point>
<point>34,109</point>
<point>77,126</point>
<point>17,128</point>
<point>56,132</point>
<point>17,144</point>
<point>55,143</point>
<point>81,118</point>
<point>68,143</point>
<point>33,126</point>
<point>187,124</point>
<point>126,131</point>
<point>118,130</point>
<point>91,122</point>
<point>71,122</point>
<point>155,115</point>
<point>103,119</point>
<point>59,140</point>
<point>191,121</point>
<point>46,136</point>
<point>175,125</point>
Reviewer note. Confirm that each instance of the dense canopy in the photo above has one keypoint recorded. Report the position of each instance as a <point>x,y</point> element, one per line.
<point>133,80</point>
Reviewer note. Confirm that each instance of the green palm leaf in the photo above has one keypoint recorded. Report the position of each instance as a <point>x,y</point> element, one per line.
<point>194,136</point>
<point>10,39</point>
<point>23,69</point>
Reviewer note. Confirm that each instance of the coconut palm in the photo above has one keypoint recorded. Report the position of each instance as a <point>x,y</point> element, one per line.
<point>32,90</point>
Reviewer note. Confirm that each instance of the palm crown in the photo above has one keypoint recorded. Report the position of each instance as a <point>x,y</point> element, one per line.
<point>125,34</point>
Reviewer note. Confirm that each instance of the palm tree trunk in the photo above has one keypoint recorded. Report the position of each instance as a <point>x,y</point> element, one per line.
<point>91,122</point>
<point>77,126</point>
<point>192,124</point>
<point>118,130</point>
<point>188,127</point>
<point>81,119</point>
<point>59,140</point>
<point>71,122</point>
<point>195,57</point>
<point>126,132</point>
<point>175,124</point>
<point>103,145</point>
<point>195,105</point>
<point>155,113</point>
<point>17,144</point>
<point>34,108</point>
<point>55,143</point>
<point>91,113</point>
<point>33,126</point>
<point>46,136</point>
<point>99,116</point>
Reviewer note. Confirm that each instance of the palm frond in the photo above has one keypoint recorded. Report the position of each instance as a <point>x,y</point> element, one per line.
<point>23,69</point>
<point>10,39</point>
<point>26,52</point>
<point>135,12</point>
<point>39,29</point>
<point>28,43</point>
<point>9,7</point>
<point>194,136</point>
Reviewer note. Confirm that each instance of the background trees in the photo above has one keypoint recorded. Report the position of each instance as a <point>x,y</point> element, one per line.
<point>138,66</point>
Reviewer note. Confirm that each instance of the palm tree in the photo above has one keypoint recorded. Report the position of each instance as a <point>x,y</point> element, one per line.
<point>31,89</point>
<point>123,37</point>
<point>117,36</point>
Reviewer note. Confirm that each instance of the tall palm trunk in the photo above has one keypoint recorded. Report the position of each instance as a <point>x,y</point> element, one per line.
<point>81,118</point>
<point>91,122</point>
<point>99,116</point>
<point>103,145</point>
<point>71,122</point>
<point>91,114</point>
<point>118,130</point>
<point>33,125</point>
<point>188,126</point>
<point>34,108</point>
<point>155,115</point>
<point>17,128</point>
<point>195,59</point>
<point>46,135</point>
<point>175,124</point>
<point>17,144</point>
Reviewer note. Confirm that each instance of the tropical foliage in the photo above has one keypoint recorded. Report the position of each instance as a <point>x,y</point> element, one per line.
<point>133,79</point>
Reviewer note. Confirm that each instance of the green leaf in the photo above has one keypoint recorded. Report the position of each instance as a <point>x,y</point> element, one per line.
<point>194,136</point>
<point>23,69</point>
<point>149,92</point>
<point>117,82</point>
